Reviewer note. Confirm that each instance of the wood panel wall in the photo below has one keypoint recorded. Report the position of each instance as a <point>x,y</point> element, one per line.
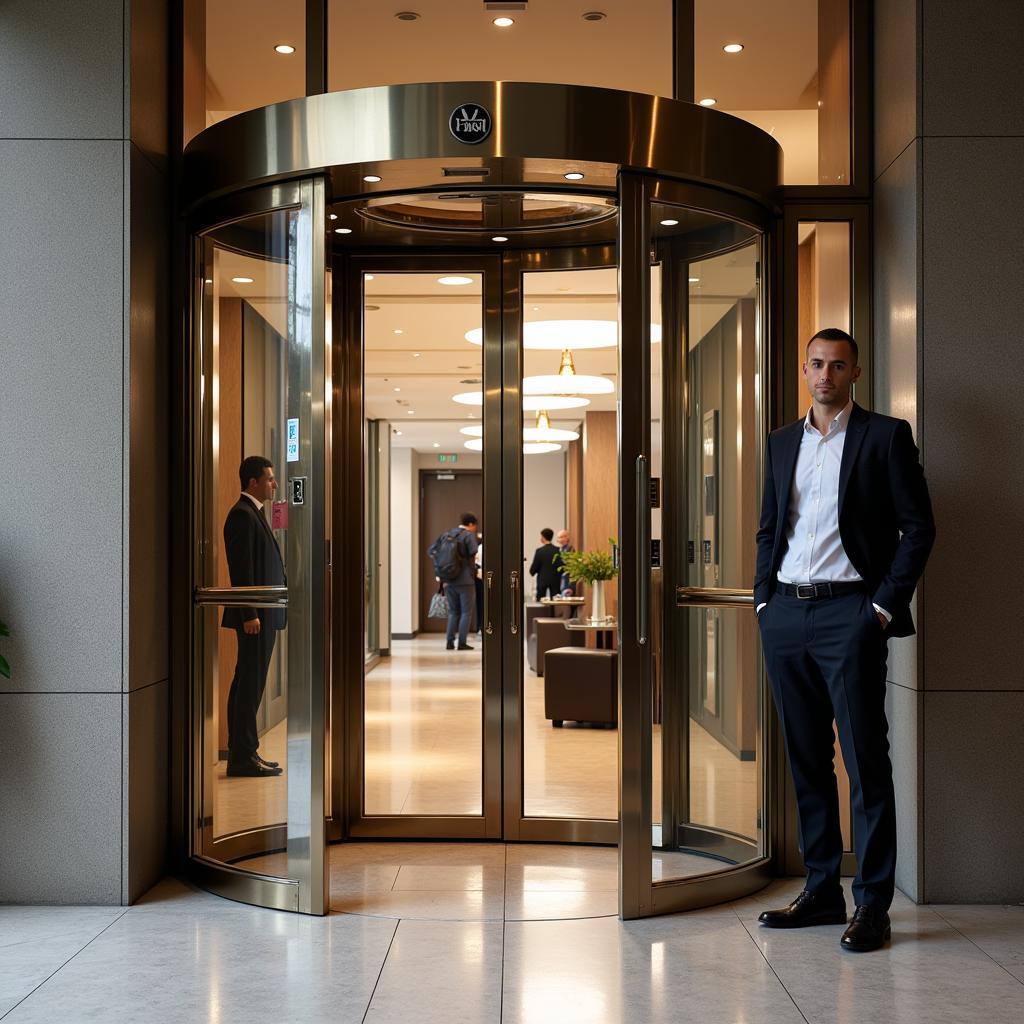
<point>600,492</point>
<point>833,92</point>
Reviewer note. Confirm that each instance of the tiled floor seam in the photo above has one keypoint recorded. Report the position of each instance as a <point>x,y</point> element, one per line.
<point>942,917</point>
<point>750,935</point>
<point>383,964</point>
<point>66,962</point>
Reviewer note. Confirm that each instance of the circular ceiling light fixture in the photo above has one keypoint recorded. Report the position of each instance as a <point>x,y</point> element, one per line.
<point>733,47</point>
<point>594,15</point>
<point>531,403</point>
<point>407,16</point>
<point>669,222</point>
<point>567,381</point>
<point>343,231</point>
<point>573,176</point>
<point>499,238</point>
<point>368,277</point>
<point>454,279</point>
<point>333,216</point>
<point>435,445</point>
<point>708,101</point>
<point>543,431</point>
<point>694,280</point>
<point>472,431</point>
<point>372,179</point>
<point>555,335</point>
<point>504,22</point>
<point>242,280</point>
<point>284,48</point>
<point>529,447</point>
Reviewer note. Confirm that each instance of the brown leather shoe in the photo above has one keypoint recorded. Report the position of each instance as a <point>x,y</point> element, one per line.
<point>806,910</point>
<point>870,929</point>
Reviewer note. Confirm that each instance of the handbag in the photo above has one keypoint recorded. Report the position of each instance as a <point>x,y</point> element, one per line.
<point>438,608</point>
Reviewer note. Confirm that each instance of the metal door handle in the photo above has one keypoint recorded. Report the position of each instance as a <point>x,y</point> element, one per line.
<point>713,597</point>
<point>242,597</point>
<point>513,586</point>
<point>643,548</point>
<point>488,583</point>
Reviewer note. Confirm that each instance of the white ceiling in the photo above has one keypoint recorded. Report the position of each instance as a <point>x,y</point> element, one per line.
<point>774,76</point>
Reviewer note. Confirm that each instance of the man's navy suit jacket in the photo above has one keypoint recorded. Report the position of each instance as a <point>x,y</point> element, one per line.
<point>885,514</point>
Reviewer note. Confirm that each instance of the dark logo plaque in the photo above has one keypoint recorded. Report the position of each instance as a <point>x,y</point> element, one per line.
<point>470,123</point>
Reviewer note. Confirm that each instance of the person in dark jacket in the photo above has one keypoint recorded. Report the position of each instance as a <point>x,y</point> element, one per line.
<point>460,589</point>
<point>846,528</point>
<point>545,566</point>
<point>254,560</point>
<point>566,587</point>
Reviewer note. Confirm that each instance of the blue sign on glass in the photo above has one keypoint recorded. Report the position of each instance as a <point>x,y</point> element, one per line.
<point>292,439</point>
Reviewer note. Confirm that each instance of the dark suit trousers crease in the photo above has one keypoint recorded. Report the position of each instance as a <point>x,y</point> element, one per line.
<point>826,659</point>
<point>247,686</point>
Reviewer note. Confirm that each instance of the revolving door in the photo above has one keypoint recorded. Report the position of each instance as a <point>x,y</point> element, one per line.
<point>415,310</point>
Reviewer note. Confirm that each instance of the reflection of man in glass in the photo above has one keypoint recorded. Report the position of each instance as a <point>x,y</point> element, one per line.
<point>254,560</point>
<point>846,527</point>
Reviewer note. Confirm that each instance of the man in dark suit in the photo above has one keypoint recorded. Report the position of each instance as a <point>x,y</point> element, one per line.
<point>545,567</point>
<point>846,528</point>
<point>254,560</point>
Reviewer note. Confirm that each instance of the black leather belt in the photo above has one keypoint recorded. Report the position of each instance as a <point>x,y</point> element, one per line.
<point>807,591</point>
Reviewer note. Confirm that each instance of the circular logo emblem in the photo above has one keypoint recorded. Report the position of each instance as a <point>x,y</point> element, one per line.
<point>470,123</point>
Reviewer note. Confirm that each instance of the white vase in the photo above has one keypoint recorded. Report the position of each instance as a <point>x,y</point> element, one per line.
<point>597,613</point>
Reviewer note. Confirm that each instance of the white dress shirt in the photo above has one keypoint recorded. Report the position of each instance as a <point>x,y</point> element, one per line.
<point>814,549</point>
<point>255,501</point>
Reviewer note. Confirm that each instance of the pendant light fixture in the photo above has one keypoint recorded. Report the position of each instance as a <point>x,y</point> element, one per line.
<point>567,381</point>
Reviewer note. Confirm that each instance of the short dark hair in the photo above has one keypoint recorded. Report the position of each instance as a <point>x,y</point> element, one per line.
<point>252,468</point>
<point>467,519</point>
<point>547,533</point>
<point>835,334</point>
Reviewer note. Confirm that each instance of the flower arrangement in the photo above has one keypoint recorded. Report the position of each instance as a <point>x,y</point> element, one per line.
<point>589,566</point>
<point>5,669</point>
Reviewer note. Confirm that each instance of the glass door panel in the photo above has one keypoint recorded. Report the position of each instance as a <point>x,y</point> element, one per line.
<point>428,749</point>
<point>259,560</point>
<point>692,681</point>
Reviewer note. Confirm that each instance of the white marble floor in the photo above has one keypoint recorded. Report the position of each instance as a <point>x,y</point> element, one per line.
<point>186,956</point>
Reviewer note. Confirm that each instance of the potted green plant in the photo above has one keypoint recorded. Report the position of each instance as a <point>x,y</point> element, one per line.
<point>592,568</point>
<point>5,669</point>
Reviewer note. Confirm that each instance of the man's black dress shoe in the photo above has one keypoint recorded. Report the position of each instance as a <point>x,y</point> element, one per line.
<point>869,929</point>
<point>466,647</point>
<point>449,647</point>
<point>250,769</point>
<point>267,764</point>
<point>807,909</point>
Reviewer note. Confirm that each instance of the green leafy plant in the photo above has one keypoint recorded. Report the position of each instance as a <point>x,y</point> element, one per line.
<point>589,566</point>
<point>5,669</point>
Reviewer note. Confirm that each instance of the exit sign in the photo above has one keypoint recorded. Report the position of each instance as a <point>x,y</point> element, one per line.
<point>451,459</point>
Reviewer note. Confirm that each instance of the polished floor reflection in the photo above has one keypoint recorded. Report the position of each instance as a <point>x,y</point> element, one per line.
<point>423,711</point>
<point>181,956</point>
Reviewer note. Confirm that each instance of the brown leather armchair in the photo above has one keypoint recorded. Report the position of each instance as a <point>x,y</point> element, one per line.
<point>581,685</point>
<point>548,633</point>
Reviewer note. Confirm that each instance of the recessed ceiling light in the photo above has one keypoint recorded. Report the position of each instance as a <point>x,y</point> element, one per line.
<point>343,231</point>
<point>398,330</point>
<point>284,48</point>
<point>415,355</point>
<point>398,432</point>
<point>407,16</point>
<point>454,279</point>
<point>411,412</point>
<point>371,178</point>
<point>535,308</point>
<point>694,280</point>
<point>504,22</point>
<point>594,15</point>
<point>396,389</point>
<point>732,47</point>
<point>242,280</point>
<point>435,445</point>
<point>574,176</point>
<point>708,101</point>
<point>208,280</point>
<point>669,223</point>
<point>500,238</point>
<point>368,277</point>
<point>333,216</point>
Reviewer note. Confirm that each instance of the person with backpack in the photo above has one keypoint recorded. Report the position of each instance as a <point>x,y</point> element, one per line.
<point>452,555</point>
